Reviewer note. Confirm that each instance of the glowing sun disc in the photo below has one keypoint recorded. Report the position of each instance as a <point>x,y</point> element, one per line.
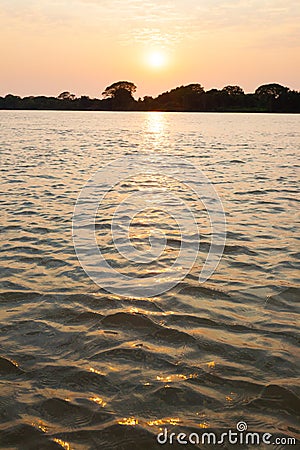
<point>156,59</point>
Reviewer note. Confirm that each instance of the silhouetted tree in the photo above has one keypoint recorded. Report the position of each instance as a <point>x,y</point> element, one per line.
<point>120,94</point>
<point>271,90</point>
<point>268,95</point>
<point>287,102</point>
<point>12,101</point>
<point>182,98</point>
<point>66,96</point>
<point>113,90</point>
<point>232,98</point>
<point>233,90</point>
<point>84,102</point>
<point>192,97</point>
<point>214,100</point>
<point>147,102</point>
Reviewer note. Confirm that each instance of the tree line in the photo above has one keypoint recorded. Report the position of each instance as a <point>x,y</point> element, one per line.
<point>118,96</point>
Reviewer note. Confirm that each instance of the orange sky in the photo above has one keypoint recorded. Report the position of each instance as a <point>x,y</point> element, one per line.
<point>48,46</point>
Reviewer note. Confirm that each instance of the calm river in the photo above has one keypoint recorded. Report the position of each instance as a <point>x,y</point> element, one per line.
<point>82,368</point>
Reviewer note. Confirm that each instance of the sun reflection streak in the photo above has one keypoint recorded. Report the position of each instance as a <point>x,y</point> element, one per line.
<point>40,425</point>
<point>99,401</point>
<point>91,369</point>
<point>155,127</point>
<point>62,443</point>
<point>175,377</point>
<point>130,421</point>
<point>164,421</point>
<point>155,122</point>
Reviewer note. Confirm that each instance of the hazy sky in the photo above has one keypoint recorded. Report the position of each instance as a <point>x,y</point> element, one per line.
<point>48,46</point>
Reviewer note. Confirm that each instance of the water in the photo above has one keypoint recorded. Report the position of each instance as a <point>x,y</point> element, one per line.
<point>84,369</point>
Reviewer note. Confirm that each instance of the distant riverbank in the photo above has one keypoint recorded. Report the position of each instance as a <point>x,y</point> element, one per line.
<point>268,98</point>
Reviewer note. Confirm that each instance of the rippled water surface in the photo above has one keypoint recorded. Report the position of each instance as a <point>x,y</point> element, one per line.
<point>84,369</point>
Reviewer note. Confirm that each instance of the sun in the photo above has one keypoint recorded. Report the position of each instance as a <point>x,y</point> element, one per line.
<point>156,59</point>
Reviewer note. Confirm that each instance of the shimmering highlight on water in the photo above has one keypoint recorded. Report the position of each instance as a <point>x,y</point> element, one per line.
<point>82,369</point>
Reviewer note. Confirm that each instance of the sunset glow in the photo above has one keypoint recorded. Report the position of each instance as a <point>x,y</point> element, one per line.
<point>156,59</point>
<point>84,45</point>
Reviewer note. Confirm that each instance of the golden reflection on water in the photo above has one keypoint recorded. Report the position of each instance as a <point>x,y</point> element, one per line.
<point>40,425</point>
<point>98,400</point>
<point>155,122</point>
<point>91,369</point>
<point>176,377</point>
<point>39,257</point>
<point>211,364</point>
<point>155,129</point>
<point>130,421</point>
<point>164,421</point>
<point>62,443</point>
<point>230,397</point>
